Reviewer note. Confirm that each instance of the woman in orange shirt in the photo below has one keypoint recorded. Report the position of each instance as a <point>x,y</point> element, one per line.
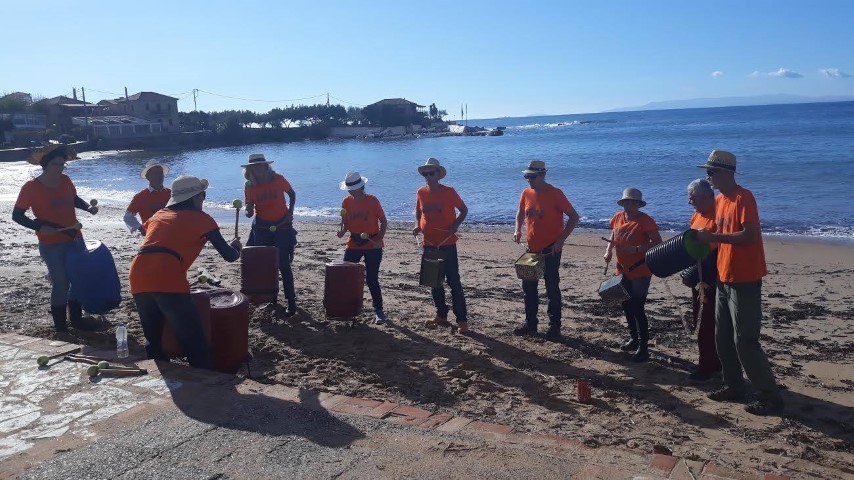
<point>53,198</point>
<point>633,233</point>
<point>174,237</point>
<point>273,224</point>
<point>363,216</point>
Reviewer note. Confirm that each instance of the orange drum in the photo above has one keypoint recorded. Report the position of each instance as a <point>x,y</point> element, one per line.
<point>170,345</point>
<point>229,342</point>
<point>259,274</point>
<point>343,289</point>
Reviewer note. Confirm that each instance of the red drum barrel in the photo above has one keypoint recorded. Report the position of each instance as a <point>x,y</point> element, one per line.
<point>229,343</point>
<point>259,274</point>
<point>170,345</point>
<point>343,289</point>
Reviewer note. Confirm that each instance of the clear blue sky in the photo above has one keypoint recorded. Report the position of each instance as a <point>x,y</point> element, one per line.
<point>501,58</point>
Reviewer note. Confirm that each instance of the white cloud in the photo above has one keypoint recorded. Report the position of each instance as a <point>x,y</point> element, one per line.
<point>834,73</point>
<point>717,74</point>
<point>779,73</point>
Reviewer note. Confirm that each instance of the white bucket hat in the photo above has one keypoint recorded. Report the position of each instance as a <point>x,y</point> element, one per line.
<point>433,164</point>
<point>257,158</point>
<point>632,194</point>
<point>536,166</point>
<point>151,164</point>
<point>353,181</point>
<point>185,187</point>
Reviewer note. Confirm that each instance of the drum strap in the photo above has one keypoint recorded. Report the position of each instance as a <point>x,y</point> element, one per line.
<point>154,249</point>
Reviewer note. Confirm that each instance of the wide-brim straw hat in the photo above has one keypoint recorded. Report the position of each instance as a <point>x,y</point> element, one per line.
<point>433,163</point>
<point>720,160</point>
<point>186,187</point>
<point>536,166</point>
<point>353,181</point>
<point>632,194</point>
<point>257,159</point>
<point>151,164</point>
<point>36,157</point>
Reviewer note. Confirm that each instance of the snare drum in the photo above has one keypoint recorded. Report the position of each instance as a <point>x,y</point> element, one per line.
<point>432,269</point>
<point>530,266</point>
<point>612,291</point>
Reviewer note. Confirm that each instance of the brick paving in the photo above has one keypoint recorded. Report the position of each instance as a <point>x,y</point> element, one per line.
<point>46,412</point>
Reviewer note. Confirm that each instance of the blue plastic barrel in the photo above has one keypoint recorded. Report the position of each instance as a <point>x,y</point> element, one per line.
<point>94,279</point>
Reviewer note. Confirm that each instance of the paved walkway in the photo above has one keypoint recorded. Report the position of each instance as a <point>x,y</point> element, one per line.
<point>178,422</point>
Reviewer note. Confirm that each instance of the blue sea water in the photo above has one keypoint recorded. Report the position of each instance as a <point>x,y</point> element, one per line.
<point>797,159</point>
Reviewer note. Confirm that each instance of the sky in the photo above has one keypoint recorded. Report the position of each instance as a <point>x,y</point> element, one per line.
<point>500,58</point>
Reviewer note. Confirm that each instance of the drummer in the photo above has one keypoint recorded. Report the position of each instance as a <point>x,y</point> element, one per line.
<point>174,237</point>
<point>543,206</point>
<point>53,198</point>
<point>150,199</point>
<point>363,216</point>
<point>273,224</point>
<point>633,233</point>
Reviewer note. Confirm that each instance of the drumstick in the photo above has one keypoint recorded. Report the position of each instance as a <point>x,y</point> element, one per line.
<point>607,264</point>
<point>607,240</point>
<point>237,204</point>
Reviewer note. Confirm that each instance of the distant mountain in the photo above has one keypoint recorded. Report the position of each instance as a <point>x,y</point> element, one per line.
<point>734,102</point>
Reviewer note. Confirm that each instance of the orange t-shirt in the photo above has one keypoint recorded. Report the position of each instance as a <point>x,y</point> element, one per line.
<point>146,202</point>
<point>632,232</point>
<point>363,216</point>
<point>437,214</point>
<point>543,212</point>
<point>54,205</point>
<point>739,263</point>
<point>180,230</point>
<point>705,221</point>
<point>269,198</point>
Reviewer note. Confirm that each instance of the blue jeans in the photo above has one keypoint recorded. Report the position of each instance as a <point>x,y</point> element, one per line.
<point>551,276</point>
<point>635,308</point>
<point>54,256</point>
<point>373,258</point>
<point>284,238</point>
<point>452,276</point>
<point>179,310</point>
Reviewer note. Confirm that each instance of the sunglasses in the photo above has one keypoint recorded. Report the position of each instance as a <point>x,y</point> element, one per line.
<point>710,172</point>
<point>530,176</point>
<point>428,173</point>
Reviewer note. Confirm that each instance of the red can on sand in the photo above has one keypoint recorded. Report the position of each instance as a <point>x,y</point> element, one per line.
<point>583,390</point>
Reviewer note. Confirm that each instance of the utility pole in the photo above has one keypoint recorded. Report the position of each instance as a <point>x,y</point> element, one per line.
<point>195,94</point>
<point>85,111</point>
<point>327,99</point>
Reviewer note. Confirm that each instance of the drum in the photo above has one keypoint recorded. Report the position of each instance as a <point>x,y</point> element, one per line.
<point>530,266</point>
<point>432,269</point>
<point>612,291</point>
<point>94,278</point>
<point>259,274</point>
<point>343,290</point>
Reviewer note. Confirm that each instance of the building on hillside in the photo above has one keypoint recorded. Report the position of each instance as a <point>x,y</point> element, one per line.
<point>120,126</point>
<point>392,112</point>
<point>157,107</point>
<point>61,109</point>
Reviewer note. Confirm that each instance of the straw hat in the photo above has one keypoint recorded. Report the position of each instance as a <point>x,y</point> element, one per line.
<point>536,166</point>
<point>35,157</point>
<point>433,164</point>
<point>353,181</point>
<point>720,160</point>
<point>257,159</point>
<point>151,164</point>
<point>185,187</point>
<point>632,194</point>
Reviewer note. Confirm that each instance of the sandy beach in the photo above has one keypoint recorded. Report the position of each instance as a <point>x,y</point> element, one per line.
<point>527,382</point>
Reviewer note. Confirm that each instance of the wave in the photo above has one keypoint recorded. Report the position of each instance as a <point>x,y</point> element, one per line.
<point>535,126</point>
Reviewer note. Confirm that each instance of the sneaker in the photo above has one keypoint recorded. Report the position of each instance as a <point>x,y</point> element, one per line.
<point>553,334</point>
<point>764,406</point>
<point>526,329</point>
<point>436,321</point>
<point>379,318</point>
<point>463,328</point>
<point>630,346</point>
<point>727,394</point>
<point>640,356</point>
<point>699,376</point>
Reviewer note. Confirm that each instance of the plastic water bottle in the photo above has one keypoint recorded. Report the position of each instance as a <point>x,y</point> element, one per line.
<point>121,341</point>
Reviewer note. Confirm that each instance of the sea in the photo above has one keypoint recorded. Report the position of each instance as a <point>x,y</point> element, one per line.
<point>798,160</point>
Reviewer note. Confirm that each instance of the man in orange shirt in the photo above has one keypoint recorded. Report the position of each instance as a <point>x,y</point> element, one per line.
<point>437,220</point>
<point>363,216</point>
<point>738,311</point>
<point>703,286</point>
<point>149,200</point>
<point>543,206</point>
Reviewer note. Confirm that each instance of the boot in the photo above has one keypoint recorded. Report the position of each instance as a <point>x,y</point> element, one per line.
<point>642,354</point>
<point>59,318</point>
<point>630,346</point>
<point>75,314</point>
<point>292,308</point>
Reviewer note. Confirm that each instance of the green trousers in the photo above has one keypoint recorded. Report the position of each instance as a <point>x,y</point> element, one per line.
<point>738,318</point>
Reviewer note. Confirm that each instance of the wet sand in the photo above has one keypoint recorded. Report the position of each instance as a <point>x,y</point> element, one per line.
<point>528,383</point>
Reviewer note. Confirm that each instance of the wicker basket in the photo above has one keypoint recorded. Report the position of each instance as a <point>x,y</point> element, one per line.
<point>530,266</point>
